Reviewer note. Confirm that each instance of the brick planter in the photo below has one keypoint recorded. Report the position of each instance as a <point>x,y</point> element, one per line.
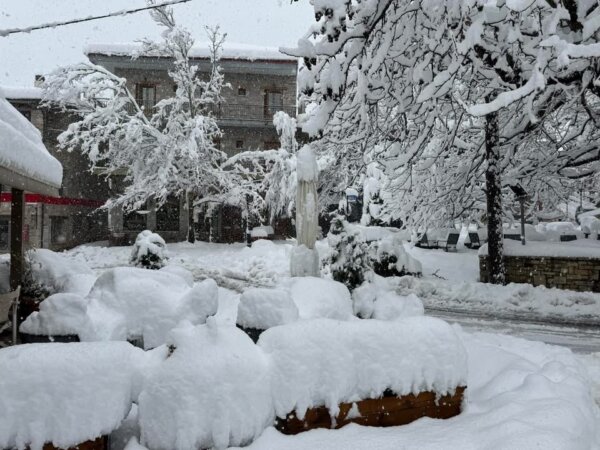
<point>576,274</point>
<point>387,411</point>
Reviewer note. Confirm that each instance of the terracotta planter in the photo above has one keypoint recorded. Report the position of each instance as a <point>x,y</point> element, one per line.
<point>101,443</point>
<point>389,410</point>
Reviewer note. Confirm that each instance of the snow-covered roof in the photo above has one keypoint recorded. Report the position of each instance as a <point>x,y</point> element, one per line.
<point>24,161</point>
<point>229,51</point>
<point>22,92</point>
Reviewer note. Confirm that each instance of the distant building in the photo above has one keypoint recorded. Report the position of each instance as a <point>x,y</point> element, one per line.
<point>71,218</point>
<point>263,81</point>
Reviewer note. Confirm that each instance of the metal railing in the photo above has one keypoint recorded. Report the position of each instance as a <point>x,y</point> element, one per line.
<point>236,112</point>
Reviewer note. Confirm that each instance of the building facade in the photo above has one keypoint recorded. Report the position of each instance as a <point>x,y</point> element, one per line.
<point>261,82</point>
<point>67,220</point>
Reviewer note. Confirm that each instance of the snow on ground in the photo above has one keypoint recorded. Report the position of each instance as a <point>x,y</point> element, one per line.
<point>449,281</point>
<point>521,394</point>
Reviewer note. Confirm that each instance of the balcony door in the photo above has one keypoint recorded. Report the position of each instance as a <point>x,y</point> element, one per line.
<point>146,97</point>
<point>273,103</point>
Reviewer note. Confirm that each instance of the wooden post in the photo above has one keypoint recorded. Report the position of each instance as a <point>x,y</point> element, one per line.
<point>17,256</point>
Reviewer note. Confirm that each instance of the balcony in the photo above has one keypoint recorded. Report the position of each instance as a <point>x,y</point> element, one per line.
<point>237,114</point>
<point>251,114</point>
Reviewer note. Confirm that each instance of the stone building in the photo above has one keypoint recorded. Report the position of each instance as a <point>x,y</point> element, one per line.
<point>72,218</point>
<point>262,81</point>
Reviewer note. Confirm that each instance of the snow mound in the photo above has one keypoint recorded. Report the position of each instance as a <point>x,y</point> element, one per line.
<point>67,393</point>
<point>265,308</point>
<point>180,271</point>
<point>59,315</point>
<point>391,306</point>
<point>213,391</point>
<point>326,362</point>
<point>59,273</point>
<point>320,298</point>
<point>377,300</point>
<point>127,303</point>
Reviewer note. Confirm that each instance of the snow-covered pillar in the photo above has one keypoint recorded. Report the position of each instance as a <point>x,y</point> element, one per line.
<point>305,258</point>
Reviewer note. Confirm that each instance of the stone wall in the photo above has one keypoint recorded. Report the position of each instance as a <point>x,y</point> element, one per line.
<point>576,274</point>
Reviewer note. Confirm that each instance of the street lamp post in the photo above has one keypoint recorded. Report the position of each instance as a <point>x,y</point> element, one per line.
<point>521,197</point>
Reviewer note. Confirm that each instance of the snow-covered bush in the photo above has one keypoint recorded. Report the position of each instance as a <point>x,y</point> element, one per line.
<point>354,259</point>
<point>389,258</point>
<point>149,251</point>
<point>127,303</point>
<point>212,392</point>
<point>349,260</point>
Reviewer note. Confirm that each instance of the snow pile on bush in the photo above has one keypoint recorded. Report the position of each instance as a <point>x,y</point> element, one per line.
<point>389,258</point>
<point>127,302</point>
<point>55,272</point>
<point>354,259</point>
<point>265,308</point>
<point>59,315</point>
<point>372,302</point>
<point>213,391</point>
<point>149,250</point>
<point>326,362</point>
<point>67,393</point>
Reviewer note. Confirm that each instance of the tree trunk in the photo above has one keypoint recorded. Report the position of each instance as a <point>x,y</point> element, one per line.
<point>495,265</point>
<point>191,232</point>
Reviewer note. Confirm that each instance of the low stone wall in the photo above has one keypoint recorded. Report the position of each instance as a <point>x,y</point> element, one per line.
<point>576,274</point>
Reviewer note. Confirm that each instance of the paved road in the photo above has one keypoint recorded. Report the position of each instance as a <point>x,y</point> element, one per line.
<point>580,339</point>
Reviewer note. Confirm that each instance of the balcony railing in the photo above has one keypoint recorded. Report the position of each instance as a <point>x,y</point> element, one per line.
<point>250,113</point>
<point>237,112</point>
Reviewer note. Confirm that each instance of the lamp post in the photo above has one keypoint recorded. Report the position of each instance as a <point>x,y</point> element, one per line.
<point>521,197</point>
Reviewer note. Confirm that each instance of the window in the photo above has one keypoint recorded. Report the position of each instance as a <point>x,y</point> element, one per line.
<point>58,229</point>
<point>239,145</point>
<point>273,103</point>
<point>167,216</point>
<point>242,91</point>
<point>146,96</point>
<point>134,221</point>
<point>4,233</point>
<point>26,113</point>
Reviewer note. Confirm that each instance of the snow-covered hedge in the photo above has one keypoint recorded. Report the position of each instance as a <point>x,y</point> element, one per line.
<point>67,393</point>
<point>213,391</point>
<point>127,302</point>
<point>149,251</point>
<point>326,362</point>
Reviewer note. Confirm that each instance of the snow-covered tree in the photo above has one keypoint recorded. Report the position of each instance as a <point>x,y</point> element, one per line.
<point>457,91</point>
<point>169,151</point>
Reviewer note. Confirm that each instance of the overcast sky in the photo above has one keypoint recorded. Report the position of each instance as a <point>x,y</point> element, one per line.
<point>260,22</point>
